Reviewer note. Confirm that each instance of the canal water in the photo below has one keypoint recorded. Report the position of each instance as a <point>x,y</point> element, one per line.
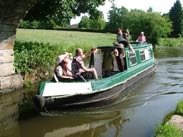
<point>137,114</point>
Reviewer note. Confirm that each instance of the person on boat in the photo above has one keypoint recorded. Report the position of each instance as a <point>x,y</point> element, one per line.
<point>78,68</point>
<point>122,40</point>
<point>141,38</point>
<point>64,56</point>
<point>63,68</point>
<point>118,61</point>
<point>107,63</point>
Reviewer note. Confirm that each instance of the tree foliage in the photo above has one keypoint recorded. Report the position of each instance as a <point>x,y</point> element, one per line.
<point>88,23</point>
<point>116,18</point>
<point>176,15</point>
<point>61,11</point>
<point>152,23</point>
<point>84,23</point>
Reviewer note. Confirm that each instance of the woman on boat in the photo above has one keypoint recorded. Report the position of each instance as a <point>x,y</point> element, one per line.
<point>78,68</point>
<point>122,40</point>
<point>63,71</point>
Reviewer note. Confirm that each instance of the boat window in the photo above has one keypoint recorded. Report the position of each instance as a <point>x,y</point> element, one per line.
<point>145,54</point>
<point>142,55</point>
<point>132,58</point>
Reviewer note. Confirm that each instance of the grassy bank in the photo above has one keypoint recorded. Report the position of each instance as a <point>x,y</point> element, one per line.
<point>169,130</point>
<point>36,50</point>
<point>65,39</point>
<point>171,42</point>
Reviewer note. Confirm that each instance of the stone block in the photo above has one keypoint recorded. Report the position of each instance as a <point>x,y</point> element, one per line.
<point>11,82</point>
<point>6,69</point>
<point>6,56</point>
<point>8,43</point>
<point>8,52</point>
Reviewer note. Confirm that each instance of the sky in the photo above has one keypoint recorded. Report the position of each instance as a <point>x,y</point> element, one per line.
<point>162,6</point>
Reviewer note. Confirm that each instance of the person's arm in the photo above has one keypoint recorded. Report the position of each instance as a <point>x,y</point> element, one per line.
<point>89,53</point>
<point>137,39</point>
<point>67,77</point>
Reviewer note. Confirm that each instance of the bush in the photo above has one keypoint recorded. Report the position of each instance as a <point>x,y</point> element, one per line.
<point>171,42</point>
<point>168,130</point>
<point>35,56</point>
<point>179,109</point>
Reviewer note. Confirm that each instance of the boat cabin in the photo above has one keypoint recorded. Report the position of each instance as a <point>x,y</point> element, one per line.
<point>103,60</point>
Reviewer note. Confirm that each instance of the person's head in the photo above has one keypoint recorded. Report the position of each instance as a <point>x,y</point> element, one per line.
<point>120,31</point>
<point>142,33</point>
<point>64,62</point>
<point>115,52</point>
<point>79,52</point>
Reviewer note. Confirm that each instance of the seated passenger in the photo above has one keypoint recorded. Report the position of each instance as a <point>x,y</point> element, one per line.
<point>62,67</point>
<point>62,70</point>
<point>78,68</point>
<point>63,56</point>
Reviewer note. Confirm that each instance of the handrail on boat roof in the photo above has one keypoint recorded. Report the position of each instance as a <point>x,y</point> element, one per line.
<point>108,47</point>
<point>134,44</point>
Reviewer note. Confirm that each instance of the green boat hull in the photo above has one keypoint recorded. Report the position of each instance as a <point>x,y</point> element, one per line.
<point>104,91</point>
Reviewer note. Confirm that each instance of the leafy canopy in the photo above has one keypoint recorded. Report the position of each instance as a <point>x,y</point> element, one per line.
<point>151,23</point>
<point>176,15</point>
<point>61,11</point>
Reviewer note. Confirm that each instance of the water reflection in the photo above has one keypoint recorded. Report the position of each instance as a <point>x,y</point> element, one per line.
<point>74,125</point>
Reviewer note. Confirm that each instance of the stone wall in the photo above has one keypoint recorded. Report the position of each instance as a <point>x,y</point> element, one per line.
<point>11,11</point>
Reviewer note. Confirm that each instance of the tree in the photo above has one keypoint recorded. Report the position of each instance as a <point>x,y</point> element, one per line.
<point>116,18</point>
<point>84,23</point>
<point>153,24</point>
<point>97,24</point>
<point>89,23</point>
<point>61,11</point>
<point>176,15</point>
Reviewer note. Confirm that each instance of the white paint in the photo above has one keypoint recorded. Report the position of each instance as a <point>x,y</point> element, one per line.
<point>66,89</point>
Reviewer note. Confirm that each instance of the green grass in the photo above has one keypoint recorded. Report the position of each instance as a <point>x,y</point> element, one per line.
<point>171,42</point>
<point>179,109</point>
<point>65,38</point>
<point>168,130</point>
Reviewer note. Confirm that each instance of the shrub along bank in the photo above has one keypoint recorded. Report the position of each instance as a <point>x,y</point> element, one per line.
<point>36,61</point>
<point>166,129</point>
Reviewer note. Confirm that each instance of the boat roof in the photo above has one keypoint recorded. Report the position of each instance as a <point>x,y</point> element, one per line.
<point>134,44</point>
<point>108,47</point>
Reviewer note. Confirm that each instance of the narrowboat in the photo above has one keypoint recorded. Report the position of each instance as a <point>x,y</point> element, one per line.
<point>103,91</point>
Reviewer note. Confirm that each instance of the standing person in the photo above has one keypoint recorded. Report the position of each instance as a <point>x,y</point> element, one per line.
<point>78,67</point>
<point>122,39</point>
<point>141,38</point>
<point>118,61</point>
